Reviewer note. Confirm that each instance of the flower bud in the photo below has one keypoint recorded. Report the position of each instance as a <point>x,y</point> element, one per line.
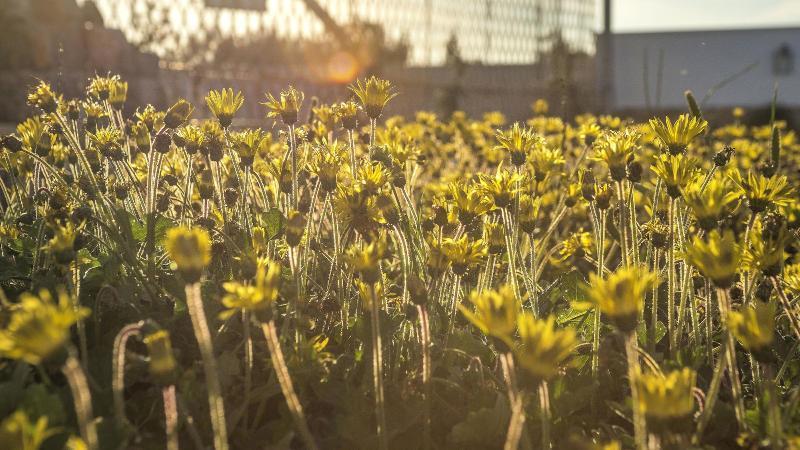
<point>190,250</point>
<point>162,365</point>
<point>178,114</point>
<point>295,227</point>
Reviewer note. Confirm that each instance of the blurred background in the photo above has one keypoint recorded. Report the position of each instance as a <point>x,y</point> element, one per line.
<point>633,57</point>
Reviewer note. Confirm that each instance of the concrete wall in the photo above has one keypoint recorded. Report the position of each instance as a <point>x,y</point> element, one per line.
<point>700,61</point>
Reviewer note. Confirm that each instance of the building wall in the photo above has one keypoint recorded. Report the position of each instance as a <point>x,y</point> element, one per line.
<point>701,61</point>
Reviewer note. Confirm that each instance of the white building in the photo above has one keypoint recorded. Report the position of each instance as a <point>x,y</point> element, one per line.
<point>728,67</point>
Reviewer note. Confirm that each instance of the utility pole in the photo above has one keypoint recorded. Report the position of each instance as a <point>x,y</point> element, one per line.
<point>605,61</point>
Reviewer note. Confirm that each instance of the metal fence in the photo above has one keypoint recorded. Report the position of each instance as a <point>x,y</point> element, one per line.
<point>488,31</point>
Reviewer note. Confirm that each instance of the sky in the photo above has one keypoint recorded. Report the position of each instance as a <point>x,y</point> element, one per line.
<point>664,15</point>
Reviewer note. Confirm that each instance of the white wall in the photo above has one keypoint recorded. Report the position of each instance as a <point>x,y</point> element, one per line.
<point>699,61</point>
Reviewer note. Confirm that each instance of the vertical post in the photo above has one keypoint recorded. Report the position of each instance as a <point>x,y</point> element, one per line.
<point>605,61</point>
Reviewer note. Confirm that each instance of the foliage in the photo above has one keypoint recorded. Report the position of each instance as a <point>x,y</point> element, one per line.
<point>420,282</point>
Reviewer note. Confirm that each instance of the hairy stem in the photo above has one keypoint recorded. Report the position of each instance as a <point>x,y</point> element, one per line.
<point>82,398</point>
<point>170,416</point>
<point>377,369</point>
<point>118,370</point>
<point>194,303</point>
<point>639,426</point>
<point>285,381</point>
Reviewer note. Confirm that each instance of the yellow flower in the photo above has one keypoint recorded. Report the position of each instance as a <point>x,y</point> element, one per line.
<point>494,236</point>
<point>470,202</point>
<point>38,327</point>
<point>542,348</point>
<point>709,205</point>
<point>540,107</point>
<point>108,141</point>
<point>365,261</point>
<point>239,296</point>
<point>372,177</point>
<point>767,250</point>
<point>545,161</point>
<point>667,398</point>
<point>502,187</point>
<point>676,172</point>
<point>716,256</point>
<point>224,104</point>
<point>677,136</point>
<point>258,298</point>
<point>247,143</point>
<point>791,276</point>
<point>190,250</point>
<point>366,292</point>
<point>118,93</point>
<point>463,253</point>
<point>588,132</point>
<point>35,137</point>
<point>162,365</point>
<point>75,443</point>
<point>616,149</point>
<point>528,212</point>
<point>268,279</point>
<point>754,328</point>
<point>495,314</point>
<point>348,114</point>
<point>43,97</point>
<point>287,106</point>
<point>576,245</point>
<point>374,94</point>
<point>621,295</point>
<point>519,142</point>
<point>62,245</point>
<point>358,209</point>
<point>190,137</point>
<point>100,87</point>
<point>17,432</point>
<point>763,192</point>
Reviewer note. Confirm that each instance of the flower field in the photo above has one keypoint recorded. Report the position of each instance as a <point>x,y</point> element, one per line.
<point>347,279</point>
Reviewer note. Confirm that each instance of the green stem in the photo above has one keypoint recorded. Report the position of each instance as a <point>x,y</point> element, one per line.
<point>170,416</point>
<point>639,426</point>
<point>596,324</point>
<point>82,398</point>
<point>623,226</point>
<point>770,392</point>
<point>671,277</point>
<point>794,322</point>
<point>653,308</point>
<point>713,390</point>
<point>118,370</point>
<point>293,157</point>
<point>216,406</point>
<point>285,381</point>
<point>709,329</point>
<point>377,369</point>
<point>516,400</point>
<point>730,354</point>
<point>248,365</point>
<point>425,338</point>
<point>545,414</point>
<point>512,263</point>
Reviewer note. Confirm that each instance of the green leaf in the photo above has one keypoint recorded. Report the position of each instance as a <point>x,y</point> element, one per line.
<point>161,225</point>
<point>643,333</point>
<point>273,223</point>
<point>39,402</point>
<point>482,428</point>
